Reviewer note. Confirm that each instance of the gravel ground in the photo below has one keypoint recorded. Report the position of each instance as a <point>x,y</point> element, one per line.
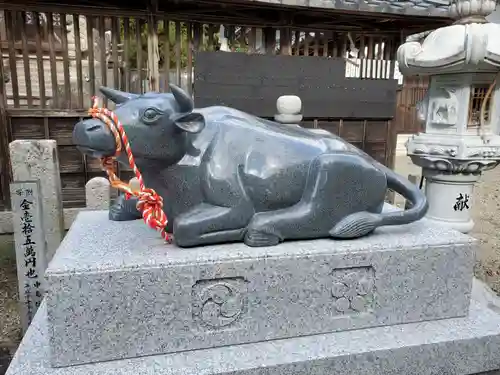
<point>486,214</point>
<point>10,329</point>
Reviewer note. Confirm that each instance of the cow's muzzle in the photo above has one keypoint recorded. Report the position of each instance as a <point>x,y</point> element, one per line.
<point>92,137</point>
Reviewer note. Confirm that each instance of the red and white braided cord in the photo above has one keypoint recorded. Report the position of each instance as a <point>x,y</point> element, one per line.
<point>150,204</point>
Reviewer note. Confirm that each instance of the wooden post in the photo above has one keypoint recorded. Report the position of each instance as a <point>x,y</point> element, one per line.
<point>4,138</point>
<point>270,40</point>
<point>285,41</point>
<point>153,55</point>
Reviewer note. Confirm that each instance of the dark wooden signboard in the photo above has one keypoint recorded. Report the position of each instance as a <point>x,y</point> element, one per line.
<point>252,83</point>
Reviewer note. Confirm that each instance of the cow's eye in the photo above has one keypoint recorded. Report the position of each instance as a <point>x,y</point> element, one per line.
<point>151,115</point>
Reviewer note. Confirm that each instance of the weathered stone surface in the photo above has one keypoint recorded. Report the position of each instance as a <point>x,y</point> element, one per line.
<point>98,194</point>
<point>37,160</point>
<point>299,3</point>
<point>116,290</point>
<point>434,8</point>
<point>456,346</point>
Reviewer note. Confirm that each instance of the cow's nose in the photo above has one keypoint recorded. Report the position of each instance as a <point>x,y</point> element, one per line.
<point>92,125</point>
<point>91,128</point>
<point>93,137</point>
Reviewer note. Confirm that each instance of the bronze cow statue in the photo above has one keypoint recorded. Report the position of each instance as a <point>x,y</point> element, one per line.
<point>226,175</point>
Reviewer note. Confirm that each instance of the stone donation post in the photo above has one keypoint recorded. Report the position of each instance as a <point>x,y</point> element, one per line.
<point>37,160</point>
<point>31,250</point>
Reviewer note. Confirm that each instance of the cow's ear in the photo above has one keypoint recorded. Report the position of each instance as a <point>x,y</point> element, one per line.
<point>191,122</point>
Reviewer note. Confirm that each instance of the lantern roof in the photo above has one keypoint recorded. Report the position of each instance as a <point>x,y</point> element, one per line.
<point>471,44</point>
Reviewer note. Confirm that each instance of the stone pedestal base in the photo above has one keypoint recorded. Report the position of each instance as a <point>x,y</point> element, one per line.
<point>116,290</point>
<point>458,346</point>
<point>450,198</point>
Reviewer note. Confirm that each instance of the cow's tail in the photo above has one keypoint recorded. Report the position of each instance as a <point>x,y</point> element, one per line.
<point>361,223</point>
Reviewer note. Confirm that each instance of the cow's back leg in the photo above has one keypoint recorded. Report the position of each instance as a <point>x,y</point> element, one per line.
<point>226,209</point>
<point>337,185</point>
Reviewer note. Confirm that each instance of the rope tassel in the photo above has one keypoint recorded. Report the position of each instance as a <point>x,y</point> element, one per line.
<point>150,204</point>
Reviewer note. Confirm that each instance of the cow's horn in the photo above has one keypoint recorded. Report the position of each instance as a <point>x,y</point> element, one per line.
<point>117,96</point>
<point>185,102</point>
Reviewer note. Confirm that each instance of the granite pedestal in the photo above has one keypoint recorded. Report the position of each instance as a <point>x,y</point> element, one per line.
<point>456,346</point>
<point>120,301</point>
<point>116,290</point>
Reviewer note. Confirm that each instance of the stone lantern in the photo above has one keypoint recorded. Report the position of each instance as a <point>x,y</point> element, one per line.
<point>461,110</point>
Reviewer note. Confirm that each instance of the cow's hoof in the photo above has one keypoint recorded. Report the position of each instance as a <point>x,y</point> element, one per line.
<point>124,210</point>
<point>255,238</point>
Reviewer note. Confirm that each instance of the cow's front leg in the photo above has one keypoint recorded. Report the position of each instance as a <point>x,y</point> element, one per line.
<point>124,209</point>
<point>205,224</point>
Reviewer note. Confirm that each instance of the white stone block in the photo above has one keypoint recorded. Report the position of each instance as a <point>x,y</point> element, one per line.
<point>98,194</point>
<point>134,184</point>
<point>289,105</point>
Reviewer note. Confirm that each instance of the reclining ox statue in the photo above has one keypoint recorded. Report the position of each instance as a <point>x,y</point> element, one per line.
<point>226,175</point>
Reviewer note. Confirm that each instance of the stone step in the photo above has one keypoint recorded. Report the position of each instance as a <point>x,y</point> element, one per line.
<point>458,346</point>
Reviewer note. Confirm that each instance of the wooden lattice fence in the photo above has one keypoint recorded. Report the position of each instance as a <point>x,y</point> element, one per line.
<point>52,63</point>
